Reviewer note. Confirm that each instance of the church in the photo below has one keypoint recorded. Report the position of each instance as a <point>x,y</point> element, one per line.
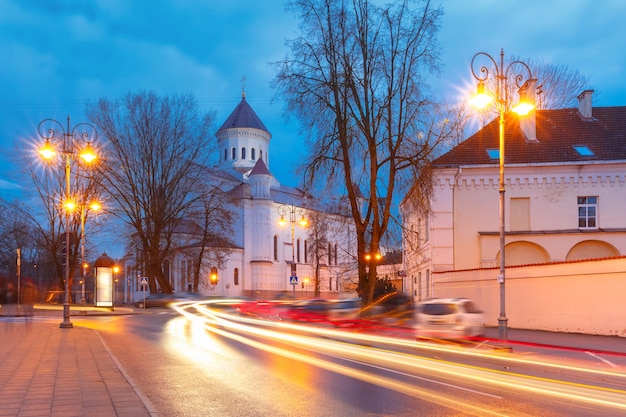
<point>284,242</point>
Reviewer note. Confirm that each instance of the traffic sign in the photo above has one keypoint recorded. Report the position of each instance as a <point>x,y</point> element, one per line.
<point>293,280</point>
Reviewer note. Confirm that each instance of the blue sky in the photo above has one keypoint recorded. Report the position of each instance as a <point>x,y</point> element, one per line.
<point>59,54</point>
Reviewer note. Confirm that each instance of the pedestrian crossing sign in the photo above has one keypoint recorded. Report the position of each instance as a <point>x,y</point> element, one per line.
<point>293,280</point>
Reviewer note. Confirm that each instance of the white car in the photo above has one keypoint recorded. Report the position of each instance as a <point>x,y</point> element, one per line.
<point>449,318</point>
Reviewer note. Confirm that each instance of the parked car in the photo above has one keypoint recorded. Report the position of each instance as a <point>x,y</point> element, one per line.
<point>449,318</point>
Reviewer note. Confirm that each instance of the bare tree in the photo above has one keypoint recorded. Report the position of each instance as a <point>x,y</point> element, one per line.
<point>153,175</point>
<point>317,246</point>
<point>356,82</point>
<point>559,86</point>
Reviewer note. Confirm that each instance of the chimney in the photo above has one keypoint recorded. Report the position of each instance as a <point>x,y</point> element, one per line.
<point>584,105</point>
<point>528,123</point>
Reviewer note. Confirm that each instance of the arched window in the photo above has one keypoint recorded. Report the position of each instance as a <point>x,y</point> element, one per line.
<point>225,154</point>
<point>233,153</point>
<point>275,247</point>
<point>261,154</point>
<point>298,250</point>
<point>306,253</point>
<point>243,153</point>
<point>335,255</point>
<point>252,154</point>
<point>236,276</point>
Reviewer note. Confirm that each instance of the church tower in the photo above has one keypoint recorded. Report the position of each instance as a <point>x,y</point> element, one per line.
<point>242,140</point>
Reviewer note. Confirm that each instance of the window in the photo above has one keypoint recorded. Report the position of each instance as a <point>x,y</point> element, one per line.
<point>275,247</point>
<point>261,154</point>
<point>225,154</point>
<point>306,253</point>
<point>243,153</point>
<point>493,153</point>
<point>298,250</point>
<point>583,150</point>
<point>587,212</point>
<point>233,153</point>
<point>236,276</point>
<point>252,154</point>
<point>335,254</point>
<point>330,255</point>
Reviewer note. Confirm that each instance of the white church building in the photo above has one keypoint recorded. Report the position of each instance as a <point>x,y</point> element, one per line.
<point>268,252</point>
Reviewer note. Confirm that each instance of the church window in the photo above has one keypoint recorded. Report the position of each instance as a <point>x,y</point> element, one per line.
<point>298,250</point>
<point>252,154</point>
<point>233,153</point>
<point>225,154</point>
<point>275,247</point>
<point>243,153</point>
<point>330,255</point>
<point>236,276</point>
<point>335,255</point>
<point>261,154</point>
<point>306,253</point>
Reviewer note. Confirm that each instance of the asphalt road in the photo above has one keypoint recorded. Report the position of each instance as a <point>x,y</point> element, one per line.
<point>193,367</point>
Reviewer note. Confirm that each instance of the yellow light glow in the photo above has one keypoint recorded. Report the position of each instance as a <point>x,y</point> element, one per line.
<point>523,108</point>
<point>481,99</point>
<point>70,205</point>
<point>88,154</point>
<point>95,206</point>
<point>282,221</point>
<point>303,221</point>
<point>47,151</point>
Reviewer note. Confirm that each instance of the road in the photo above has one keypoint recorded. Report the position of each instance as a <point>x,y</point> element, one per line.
<point>201,361</point>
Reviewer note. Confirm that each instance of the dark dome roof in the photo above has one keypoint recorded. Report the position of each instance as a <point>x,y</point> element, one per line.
<point>243,116</point>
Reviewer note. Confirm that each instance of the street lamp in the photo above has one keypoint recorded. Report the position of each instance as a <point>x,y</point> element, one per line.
<point>53,131</point>
<point>501,74</point>
<point>292,211</point>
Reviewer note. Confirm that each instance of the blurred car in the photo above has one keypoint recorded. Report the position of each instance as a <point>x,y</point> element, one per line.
<point>449,318</point>
<point>344,310</point>
<point>313,310</point>
<point>158,300</point>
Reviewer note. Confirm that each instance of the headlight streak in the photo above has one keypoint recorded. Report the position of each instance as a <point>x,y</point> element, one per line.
<point>451,403</point>
<point>562,389</point>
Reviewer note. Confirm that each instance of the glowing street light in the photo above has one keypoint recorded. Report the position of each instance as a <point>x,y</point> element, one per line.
<point>502,101</point>
<point>73,143</point>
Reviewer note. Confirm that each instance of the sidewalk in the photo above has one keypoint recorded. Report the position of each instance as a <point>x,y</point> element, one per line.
<point>49,371</point>
<point>614,345</point>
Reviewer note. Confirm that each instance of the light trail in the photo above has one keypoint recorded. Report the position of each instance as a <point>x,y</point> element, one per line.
<point>332,343</point>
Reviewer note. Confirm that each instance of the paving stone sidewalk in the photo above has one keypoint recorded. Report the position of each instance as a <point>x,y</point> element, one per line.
<point>49,371</point>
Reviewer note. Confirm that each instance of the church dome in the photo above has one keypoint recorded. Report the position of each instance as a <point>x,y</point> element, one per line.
<point>243,117</point>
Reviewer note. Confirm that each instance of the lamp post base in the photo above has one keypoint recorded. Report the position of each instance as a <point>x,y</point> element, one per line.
<point>66,323</point>
<point>502,328</point>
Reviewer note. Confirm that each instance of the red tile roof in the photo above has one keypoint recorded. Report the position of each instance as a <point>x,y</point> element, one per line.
<point>557,132</point>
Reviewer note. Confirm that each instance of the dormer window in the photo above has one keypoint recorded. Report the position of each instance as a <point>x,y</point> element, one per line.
<point>583,150</point>
<point>493,153</point>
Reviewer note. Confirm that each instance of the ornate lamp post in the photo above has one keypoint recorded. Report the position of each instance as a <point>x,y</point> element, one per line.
<point>292,211</point>
<point>70,147</point>
<point>501,74</point>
